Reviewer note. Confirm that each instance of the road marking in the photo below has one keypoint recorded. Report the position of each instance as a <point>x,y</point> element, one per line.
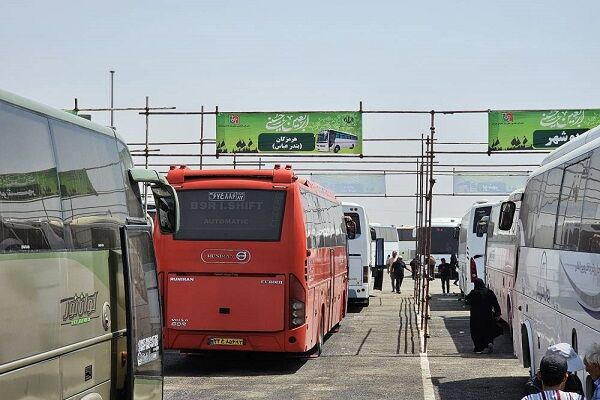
<point>428,392</point>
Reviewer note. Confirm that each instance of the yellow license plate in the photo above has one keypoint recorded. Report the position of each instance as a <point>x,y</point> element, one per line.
<point>216,341</point>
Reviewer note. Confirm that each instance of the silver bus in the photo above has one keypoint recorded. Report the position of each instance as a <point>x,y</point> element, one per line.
<point>79,301</point>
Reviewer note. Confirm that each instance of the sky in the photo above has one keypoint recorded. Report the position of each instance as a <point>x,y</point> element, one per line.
<point>311,55</point>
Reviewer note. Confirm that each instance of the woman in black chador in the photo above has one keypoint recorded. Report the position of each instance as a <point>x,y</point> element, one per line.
<point>485,310</point>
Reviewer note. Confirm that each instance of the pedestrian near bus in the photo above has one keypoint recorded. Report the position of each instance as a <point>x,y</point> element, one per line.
<point>398,270</point>
<point>413,267</point>
<point>485,311</point>
<point>454,268</point>
<point>592,366</point>
<point>553,374</point>
<point>444,270</point>
<point>390,267</point>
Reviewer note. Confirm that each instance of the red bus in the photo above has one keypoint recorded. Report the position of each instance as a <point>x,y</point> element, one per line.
<point>259,262</point>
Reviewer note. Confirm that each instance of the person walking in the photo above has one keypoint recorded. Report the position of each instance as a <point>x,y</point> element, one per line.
<point>413,267</point>
<point>485,310</point>
<point>592,366</point>
<point>430,263</point>
<point>553,374</point>
<point>390,267</point>
<point>574,364</point>
<point>444,270</point>
<point>398,270</point>
<point>454,268</point>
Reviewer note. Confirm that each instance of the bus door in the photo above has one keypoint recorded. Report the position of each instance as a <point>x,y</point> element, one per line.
<point>331,139</point>
<point>379,264</point>
<point>144,335</point>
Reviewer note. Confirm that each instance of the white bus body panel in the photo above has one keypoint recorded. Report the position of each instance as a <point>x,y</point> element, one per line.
<point>470,246</point>
<point>359,251</point>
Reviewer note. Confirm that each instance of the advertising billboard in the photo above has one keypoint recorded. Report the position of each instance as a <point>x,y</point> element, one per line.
<point>537,130</point>
<point>290,132</point>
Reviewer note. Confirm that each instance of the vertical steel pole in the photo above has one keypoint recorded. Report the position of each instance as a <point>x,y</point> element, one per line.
<point>415,271</point>
<point>112,98</point>
<point>201,135</point>
<point>146,152</point>
<point>430,199</point>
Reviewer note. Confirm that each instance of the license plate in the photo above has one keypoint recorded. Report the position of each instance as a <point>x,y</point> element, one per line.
<point>216,341</point>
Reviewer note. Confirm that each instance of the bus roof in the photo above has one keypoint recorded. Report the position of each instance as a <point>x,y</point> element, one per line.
<point>40,108</point>
<point>181,174</point>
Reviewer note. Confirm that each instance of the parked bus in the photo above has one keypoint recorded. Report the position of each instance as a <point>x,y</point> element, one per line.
<point>556,291</point>
<point>332,140</point>
<point>79,302</point>
<point>501,256</point>
<point>407,239</point>
<point>472,244</point>
<point>259,263</point>
<point>444,239</point>
<point>360,283</point>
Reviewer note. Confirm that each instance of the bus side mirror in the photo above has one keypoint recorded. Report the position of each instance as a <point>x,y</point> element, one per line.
<point>507,213</point>
<point>167,208</point>
<point>350,229</point>
<point>373,234</point>
<point>456,234</point>
<point>165,198</point>
<point>482,226</point>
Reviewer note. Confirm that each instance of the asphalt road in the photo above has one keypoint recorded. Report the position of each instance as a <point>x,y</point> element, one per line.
<point>374,355</point>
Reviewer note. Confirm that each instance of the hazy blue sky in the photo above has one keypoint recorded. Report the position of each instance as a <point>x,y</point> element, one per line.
<point>319,55</point>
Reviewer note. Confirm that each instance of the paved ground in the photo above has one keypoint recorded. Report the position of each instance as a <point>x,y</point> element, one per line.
<point>374,355</point>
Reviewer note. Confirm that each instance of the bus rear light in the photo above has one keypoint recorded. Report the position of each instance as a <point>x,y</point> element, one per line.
<point>297,302</point>
<point>366,274</point>
<point>473,266</point>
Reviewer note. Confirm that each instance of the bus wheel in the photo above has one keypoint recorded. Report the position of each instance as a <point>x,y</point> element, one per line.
<point>336,149</point>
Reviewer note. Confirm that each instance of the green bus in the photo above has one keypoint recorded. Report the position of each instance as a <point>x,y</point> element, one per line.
<point>79,302</point>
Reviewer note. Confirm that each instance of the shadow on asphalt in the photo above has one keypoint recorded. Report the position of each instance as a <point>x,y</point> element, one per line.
<point>355,309</point>
<point>231,364</point>
<point>501,388</point>
<point>458,329</point>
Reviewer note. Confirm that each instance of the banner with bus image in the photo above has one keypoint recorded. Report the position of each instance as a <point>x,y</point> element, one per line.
<point>537,130</point>
<point>337,132</point>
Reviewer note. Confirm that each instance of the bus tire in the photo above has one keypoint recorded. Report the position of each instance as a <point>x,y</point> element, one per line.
<point>336,149</point>
<point>366,303</point>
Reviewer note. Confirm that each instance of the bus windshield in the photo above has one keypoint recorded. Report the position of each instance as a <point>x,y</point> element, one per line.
<point>231,214</point>
<point>443,240</point>
<point>322,137</point>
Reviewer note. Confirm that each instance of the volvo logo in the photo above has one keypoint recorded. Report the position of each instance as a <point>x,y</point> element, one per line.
<point>225,256</point>
<point>242,255</point>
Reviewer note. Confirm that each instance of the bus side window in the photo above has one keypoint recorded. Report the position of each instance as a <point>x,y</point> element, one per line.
<point>589,238</point>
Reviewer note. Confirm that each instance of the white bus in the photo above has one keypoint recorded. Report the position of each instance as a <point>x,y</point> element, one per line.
<point>407,239</point>
<point>79,300</point>
<point>556,296</point>
<point>332,140</point>
<point>501,257</point>
<point>444,239</point>
<point>359,256</point>
<point>472,245</point>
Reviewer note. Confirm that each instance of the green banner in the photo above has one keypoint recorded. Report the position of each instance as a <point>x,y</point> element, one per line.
<point>293,132</point>
<point>537,130</point>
